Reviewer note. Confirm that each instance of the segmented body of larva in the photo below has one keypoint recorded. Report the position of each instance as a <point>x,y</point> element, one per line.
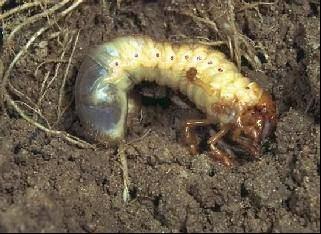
<point>205,76</point>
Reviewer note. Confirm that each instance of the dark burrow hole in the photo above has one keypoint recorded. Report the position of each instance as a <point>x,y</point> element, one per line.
<point>216,208</point>
<point>261,57</point>
<point>244,192</point>
<point>150,94</point>
<point>246,63</point>
<point>246,29</point>
<point>71,159</point>
<point>17,148</point>
<point>314,9</point>
<point>160,217</point>
<point>300,55</point>
<point>183,228</point>
<point>133,192</point>
<point>152,101</point>
<point>156,201</point>
<point>211,172</point>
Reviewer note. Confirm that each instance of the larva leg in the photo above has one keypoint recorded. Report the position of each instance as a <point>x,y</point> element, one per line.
<point>221,156</point>
<point>253,148</point>
<point>248,146</point>
<point>190,137</point>
<point>218,154</point>
<point>253,133</point>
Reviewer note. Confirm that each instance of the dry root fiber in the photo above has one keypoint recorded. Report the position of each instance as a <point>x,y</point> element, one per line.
<point>17,20</point>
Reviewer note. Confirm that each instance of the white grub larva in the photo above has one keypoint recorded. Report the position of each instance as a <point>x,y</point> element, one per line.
<point>239,107</point>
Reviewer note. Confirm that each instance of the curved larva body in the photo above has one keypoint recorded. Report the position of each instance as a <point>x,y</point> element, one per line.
<point>205,76</point>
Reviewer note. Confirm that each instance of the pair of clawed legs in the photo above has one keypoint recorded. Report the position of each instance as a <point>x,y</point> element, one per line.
<point>218,154</point>
<point>191,140</point>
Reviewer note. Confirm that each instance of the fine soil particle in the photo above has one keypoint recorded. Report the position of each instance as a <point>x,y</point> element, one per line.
<point>48,185</point>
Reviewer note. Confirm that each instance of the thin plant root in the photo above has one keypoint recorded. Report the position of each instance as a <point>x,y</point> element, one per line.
<point>70,138</point>
<point>36,18</point>
<point>37,111</point>
<point>254,5</point>
<point>222,21</point>
<point>44,92</point>
<point>18,9</point>
<point>65,78</point>
<point>124,166</point>
<point>197,40</point>
<point>5,73</point>
<point>49,61</point>
<point>18,56</point>
<point>22,96</point>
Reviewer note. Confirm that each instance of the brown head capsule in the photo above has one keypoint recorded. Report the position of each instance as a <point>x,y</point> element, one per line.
<point>255,123</point>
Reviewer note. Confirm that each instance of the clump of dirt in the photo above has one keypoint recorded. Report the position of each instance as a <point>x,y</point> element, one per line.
<point>48,184</point>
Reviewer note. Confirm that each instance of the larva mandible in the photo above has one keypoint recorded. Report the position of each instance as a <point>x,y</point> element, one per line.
<point>230,100</point>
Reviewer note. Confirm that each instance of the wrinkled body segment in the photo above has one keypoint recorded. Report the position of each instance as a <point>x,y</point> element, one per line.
<point>204,75</point>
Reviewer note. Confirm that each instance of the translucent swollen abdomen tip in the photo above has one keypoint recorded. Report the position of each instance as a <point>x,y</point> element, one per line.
<point>101,106</point>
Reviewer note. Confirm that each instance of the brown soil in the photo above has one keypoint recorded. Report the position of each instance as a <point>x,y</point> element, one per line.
<point>47,184</point>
